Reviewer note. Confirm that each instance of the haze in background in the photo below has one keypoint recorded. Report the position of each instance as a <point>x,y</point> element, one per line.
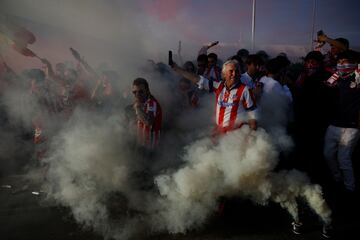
<point>106,30</point>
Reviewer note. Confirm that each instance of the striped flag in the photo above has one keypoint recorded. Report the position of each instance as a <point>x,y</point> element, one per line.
<point>332,80</point>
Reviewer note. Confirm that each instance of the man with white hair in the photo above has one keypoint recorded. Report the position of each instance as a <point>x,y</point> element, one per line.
<point>235,103</point>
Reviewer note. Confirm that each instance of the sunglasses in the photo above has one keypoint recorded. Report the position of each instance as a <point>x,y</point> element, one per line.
<point>141,92</point>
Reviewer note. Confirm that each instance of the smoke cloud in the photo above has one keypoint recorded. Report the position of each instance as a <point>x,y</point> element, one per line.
<point>242,165</point>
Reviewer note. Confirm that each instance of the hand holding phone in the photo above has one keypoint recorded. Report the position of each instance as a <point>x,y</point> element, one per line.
<point>171,62</point>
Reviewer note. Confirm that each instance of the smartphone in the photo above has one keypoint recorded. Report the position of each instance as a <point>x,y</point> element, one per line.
<point>171,62</point>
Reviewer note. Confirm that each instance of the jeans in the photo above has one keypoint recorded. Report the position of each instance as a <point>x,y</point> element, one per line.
<point>338,148</point>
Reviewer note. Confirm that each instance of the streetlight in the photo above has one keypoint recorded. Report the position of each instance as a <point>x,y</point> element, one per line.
<point>253,25</point>
<point>313,26</point>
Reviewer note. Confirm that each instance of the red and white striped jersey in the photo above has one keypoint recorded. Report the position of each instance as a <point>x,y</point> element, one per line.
<point>149,136</point>
<point>234,106</point>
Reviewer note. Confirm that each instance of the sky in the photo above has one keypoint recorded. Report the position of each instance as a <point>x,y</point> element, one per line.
<point>155,26</point>
<point>277,21</point>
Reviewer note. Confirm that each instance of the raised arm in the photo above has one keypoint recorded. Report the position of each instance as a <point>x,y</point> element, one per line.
<point>9,70</point>
<point>194,78</point>
<point>84,63</point>
<point>49,69</point>
<point>179,54</point>
<point>335,43</point>
<point>89,69</point>
<point>204,49</point>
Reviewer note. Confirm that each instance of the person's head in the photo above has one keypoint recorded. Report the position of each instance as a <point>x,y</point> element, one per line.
<point>253,64</point>
<point>140,89</point>
<point>37,79</point>
<point>60,69</point>
<point>283,60</point>
<point>335,50</point>
<point>348,56</point>
<point>231,72</point>
<point>347,62</point>
<point>212,59</point>
<point>263,55</point>
<point>273,67</point>
<point>189,66</point>
<point>184,84</point>
<point>70,76</point>
<point>283,64</point>
<point>202,61</point>
<point>313,62</point>
<point>243,54</point>
<point>241,63</point>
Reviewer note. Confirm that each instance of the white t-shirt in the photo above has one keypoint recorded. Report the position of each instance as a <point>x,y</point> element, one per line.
<point>247,80</point>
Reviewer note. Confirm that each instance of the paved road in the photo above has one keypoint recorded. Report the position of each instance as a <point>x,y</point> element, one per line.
<point>24,215</point>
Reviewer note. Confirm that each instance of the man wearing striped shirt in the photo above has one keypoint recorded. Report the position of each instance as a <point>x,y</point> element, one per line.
<point>148,114</point>
<point>235,103</point>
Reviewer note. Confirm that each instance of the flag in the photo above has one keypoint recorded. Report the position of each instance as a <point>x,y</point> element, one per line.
<point>23,50</point>
<point>16,36</point>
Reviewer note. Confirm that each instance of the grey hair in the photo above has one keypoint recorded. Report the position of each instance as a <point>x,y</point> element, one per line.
<point>232,61</point>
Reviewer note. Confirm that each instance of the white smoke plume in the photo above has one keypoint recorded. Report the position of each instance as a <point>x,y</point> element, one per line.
<point>95,170</point>
<point>275,113</point>
<point>92,160</point>
<point>241,164</point>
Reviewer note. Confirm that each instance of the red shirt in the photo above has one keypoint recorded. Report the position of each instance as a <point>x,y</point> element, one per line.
<point>234,106</point>
<point>149,136</point>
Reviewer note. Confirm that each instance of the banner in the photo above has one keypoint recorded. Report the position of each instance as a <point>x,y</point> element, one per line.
<point>16,36</point>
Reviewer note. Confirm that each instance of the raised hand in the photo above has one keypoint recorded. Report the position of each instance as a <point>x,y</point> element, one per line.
<point>214,43</point>
<point>75,54</point>
<point>44,61</point>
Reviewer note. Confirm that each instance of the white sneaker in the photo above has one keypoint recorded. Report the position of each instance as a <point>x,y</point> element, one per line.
<point>296,227</point>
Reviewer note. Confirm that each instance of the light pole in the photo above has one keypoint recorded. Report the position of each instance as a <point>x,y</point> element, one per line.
<point>313,26</point>
<point>253,25</point>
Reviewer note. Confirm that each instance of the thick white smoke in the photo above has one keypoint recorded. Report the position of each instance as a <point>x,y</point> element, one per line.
<point>233,167</point>
<point>90,161</point>
<point>275,113</point>
<point>241,164</point>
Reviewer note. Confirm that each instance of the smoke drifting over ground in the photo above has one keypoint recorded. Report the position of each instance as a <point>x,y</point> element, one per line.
<point>89,160</point>
<point>94,170</point>
<point>241,164</point>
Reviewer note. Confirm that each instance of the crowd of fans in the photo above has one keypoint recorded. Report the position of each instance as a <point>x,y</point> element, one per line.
<point>322,94</point>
